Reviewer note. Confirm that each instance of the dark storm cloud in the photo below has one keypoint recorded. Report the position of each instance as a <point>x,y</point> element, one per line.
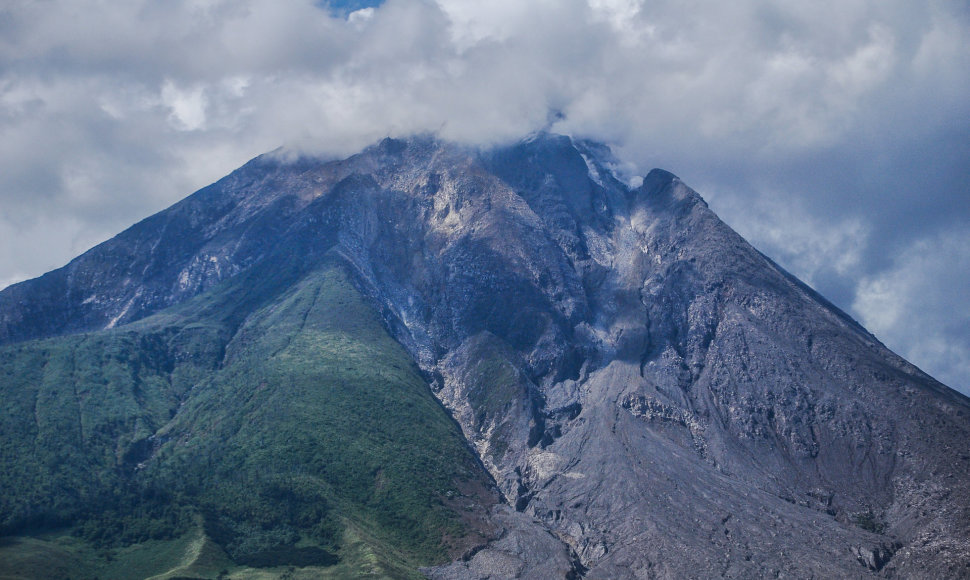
<point>834,135</point>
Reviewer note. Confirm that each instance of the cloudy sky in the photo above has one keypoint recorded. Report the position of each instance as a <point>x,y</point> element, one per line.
<point>834,135</point>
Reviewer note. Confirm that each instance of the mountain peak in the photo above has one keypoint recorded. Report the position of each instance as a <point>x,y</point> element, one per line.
<point>662,189</point>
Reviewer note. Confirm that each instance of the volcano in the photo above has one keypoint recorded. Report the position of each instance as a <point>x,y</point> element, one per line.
<point>461,362</point>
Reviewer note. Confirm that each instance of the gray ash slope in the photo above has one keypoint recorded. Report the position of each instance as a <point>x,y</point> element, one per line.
<point>653,396</point>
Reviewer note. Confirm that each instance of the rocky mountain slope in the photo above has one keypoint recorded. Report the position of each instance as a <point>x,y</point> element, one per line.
<point>647,395</point>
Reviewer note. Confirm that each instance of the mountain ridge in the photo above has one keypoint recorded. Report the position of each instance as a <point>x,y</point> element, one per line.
<point>649,393</point>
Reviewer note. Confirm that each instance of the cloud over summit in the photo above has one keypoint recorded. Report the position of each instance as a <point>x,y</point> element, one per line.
<point>833,134</point>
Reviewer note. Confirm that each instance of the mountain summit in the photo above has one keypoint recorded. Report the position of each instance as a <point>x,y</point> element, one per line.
<point>267,368</point>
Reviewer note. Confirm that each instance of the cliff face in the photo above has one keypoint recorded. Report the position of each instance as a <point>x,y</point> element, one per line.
<point>652,396</point>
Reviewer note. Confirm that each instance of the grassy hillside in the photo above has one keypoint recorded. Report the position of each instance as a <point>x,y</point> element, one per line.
<point>296,435</point>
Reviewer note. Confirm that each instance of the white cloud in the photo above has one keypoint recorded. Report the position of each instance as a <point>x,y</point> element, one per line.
<point>622,15</point>
<point>919,306</point>
<point>188,106</point>
<point>869,65</point>
<point>808,245</point>
<point>360,17</point>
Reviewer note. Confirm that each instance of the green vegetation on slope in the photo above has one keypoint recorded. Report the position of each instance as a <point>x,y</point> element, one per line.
<point>282,433</point>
